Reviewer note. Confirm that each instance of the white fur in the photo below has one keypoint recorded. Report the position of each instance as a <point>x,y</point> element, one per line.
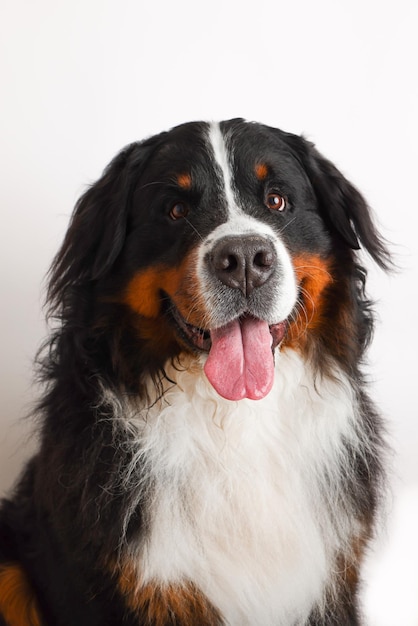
<point>246,497</point>
<point>285,289</point>
<point>240,223</point>
<point>222,158</point>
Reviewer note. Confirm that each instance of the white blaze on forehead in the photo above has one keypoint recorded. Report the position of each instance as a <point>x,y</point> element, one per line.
<point>240,223</point>
<point>223,160</point>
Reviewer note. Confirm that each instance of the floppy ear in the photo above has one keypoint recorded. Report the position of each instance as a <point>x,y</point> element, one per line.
<point>97,230</point>
<point>342,206</point>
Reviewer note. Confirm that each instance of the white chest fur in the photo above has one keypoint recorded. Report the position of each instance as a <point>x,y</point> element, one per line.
<point>246,493</point>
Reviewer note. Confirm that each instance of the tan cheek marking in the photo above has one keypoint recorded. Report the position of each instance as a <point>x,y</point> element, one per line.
<point>142,293</point>
<point>18,604</point>
<point>184,181</point>
<point>180,283</point>
<point>313,276</point>
<point>261,171</point>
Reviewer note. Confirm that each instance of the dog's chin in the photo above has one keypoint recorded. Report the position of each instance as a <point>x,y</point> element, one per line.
<point>199,339</point>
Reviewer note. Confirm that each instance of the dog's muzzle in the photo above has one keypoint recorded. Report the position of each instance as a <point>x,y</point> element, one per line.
<point>243,274</point>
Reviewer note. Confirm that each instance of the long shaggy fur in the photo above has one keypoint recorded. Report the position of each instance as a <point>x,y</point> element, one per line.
<point>161,493</point>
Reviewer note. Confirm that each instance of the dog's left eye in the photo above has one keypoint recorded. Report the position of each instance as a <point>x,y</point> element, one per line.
<point>178,210</point>
<point>275,201</point>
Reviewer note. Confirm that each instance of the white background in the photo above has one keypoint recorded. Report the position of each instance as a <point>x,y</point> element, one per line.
<point>81,78</point>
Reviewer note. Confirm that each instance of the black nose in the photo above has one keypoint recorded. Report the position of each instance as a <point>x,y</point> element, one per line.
<point>243,263</point>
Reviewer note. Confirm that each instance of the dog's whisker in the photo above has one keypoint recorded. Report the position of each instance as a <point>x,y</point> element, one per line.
<point>151,184</point>
<point>193,228</point>
<point>283,228</point>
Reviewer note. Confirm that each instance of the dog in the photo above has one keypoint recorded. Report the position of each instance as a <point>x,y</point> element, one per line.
<point>209,454</point>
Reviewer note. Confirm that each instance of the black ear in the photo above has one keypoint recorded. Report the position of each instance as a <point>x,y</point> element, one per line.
<point>97,230</point>
<point>342,205</point>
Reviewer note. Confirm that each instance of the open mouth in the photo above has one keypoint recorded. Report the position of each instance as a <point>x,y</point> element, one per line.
<point>240,362</point>
<point>194,336</point>
<point>201,339</point>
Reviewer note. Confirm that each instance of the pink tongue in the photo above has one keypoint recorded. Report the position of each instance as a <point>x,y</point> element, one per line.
<point>240,362</point>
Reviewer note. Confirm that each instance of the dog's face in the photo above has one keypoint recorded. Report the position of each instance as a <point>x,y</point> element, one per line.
<point>221,239</point>
<point>221,219</point>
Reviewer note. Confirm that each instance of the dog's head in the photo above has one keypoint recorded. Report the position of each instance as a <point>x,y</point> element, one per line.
<point>227,239</point>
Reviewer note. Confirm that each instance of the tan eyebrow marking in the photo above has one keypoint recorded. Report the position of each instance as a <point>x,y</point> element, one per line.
<point>184,181</point>
<point>261,171</point>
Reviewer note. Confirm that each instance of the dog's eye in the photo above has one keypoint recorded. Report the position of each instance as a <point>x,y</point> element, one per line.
<point>275,201</point>
<point>179,210</point>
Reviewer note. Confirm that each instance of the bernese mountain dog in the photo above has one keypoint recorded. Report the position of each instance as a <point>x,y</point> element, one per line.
<point>208,451</point>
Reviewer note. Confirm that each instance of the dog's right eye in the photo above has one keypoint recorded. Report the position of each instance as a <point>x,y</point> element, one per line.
<point>275,201</point>
<point>178,210</point>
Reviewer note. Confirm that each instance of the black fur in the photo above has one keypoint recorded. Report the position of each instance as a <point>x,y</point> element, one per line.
<point>75,510</point>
